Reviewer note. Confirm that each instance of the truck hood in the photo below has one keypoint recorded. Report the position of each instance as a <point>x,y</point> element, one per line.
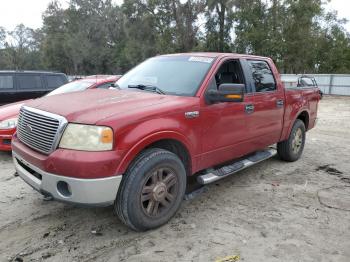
<point>11,110</point>
<point>91,106</point>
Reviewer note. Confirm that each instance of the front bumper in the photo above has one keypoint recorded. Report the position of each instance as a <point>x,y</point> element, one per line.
<point>5,139</point>
<point>91,192</point>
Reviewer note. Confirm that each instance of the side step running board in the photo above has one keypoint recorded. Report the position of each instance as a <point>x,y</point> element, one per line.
<point>232,168</point>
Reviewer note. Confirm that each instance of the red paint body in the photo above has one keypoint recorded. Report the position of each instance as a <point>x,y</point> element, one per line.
<point>12,110</point>
<point>8,112</point>
<point>222,132</point>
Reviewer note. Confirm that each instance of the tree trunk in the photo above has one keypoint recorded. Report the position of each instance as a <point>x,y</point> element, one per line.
<point>221,14</point>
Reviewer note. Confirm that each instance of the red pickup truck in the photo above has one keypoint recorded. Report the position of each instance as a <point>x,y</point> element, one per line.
<point>171,117</point>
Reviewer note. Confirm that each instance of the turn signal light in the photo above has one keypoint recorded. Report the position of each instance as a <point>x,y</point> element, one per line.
<point>233,96</point>
<point>107,136</point>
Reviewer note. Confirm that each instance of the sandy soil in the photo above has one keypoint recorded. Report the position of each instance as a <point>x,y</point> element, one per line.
<point>274,211</point>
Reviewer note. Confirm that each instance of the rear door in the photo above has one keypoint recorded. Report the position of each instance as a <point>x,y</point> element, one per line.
<point>30,85</point>
<point>268,105</point>
<point>7,88</point>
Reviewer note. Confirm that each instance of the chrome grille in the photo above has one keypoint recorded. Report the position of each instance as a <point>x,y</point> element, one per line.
<point>39,130</point>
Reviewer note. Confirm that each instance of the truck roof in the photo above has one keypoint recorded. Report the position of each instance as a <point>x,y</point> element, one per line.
<point>217,54</point>
<point>31,72</point>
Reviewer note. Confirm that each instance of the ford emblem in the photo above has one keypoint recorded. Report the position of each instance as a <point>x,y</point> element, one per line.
<point>29,128</point>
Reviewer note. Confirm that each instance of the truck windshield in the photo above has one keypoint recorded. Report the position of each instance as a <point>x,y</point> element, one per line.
<point>171,75</point>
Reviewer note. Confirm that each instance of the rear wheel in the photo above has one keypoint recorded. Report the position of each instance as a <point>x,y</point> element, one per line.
<point>292,148</point>
<point>151,190</point>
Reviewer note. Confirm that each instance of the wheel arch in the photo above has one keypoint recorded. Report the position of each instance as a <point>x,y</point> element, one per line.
<point>302,115</point>
<point>305,117</point>
<point>171,141</point>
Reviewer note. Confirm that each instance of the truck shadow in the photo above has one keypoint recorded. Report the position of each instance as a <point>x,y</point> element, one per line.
<point>5,155</point>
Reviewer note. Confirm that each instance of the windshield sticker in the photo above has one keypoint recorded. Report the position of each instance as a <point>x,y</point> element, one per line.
<point>201,59</point>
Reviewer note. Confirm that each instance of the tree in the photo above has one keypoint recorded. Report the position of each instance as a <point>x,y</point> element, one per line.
<point>98,36</point>
<point>2,37</point>
<point>20,47</point>
<point>219,24</point>
<point>333,50</point>
<point>54,29</point>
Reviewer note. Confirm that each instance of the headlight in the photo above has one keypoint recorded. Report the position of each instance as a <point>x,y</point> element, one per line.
<point>87,138</point>
<point>8,123</point>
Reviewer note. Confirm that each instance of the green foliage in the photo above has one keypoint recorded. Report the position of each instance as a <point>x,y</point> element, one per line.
<point>98,36</point>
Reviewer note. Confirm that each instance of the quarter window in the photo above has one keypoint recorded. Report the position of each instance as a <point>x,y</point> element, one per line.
<point>262,76</point>
<point>30,82</point>
<point>54,81</point>
<point>6,82</point>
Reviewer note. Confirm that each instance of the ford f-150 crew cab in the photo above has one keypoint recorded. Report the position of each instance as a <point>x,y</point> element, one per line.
<point>171,117</point>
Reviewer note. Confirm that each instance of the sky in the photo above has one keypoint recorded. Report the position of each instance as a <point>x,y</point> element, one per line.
<point>29,12</point>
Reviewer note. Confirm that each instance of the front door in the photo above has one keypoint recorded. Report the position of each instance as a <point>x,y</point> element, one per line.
<point>225,133</point>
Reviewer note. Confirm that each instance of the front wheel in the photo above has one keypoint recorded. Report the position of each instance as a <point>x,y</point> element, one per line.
<point>291,149</point>
<point>152,190</point>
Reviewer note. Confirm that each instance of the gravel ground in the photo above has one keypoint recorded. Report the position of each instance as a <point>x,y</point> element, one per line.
<point>274,211</point>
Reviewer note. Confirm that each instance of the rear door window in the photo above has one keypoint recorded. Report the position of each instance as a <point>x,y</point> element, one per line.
<point>6,82</point>
<point>29,82</point>
<point>54,81</point>
<point>262,76</point>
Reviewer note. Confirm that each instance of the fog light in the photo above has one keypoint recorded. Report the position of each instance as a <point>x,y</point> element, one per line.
<point>64,189</point>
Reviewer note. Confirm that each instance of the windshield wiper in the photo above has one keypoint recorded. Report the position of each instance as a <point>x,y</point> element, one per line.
<point>148,88</point>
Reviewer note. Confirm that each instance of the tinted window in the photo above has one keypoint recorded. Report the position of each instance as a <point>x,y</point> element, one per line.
<point>54,81</point>
<point>6,82</point>
<point>104,86</point>
<point>262,76</point>
<point>177,75</point>
<point>29,82</point>
<point>229,73</point>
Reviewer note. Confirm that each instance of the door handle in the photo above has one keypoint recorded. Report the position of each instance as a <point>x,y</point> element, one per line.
<point>249,108</point>
<point>279,103</point>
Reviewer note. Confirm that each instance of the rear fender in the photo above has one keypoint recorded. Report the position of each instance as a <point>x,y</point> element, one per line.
<point>288,129</point>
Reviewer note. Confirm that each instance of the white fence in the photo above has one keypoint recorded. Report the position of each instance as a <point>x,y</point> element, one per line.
<point>332,84</point>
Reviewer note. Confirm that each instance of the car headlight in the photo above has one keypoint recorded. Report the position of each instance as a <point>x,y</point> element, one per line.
<point>8,123</point>
<point>87,138</point>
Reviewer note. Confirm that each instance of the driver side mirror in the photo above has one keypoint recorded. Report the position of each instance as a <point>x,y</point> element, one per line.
<point>226,93</point>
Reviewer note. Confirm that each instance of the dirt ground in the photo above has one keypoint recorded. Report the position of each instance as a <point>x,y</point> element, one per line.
<point>274,211</point>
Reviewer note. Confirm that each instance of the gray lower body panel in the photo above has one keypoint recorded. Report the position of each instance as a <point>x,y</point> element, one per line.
<point>91,192</point>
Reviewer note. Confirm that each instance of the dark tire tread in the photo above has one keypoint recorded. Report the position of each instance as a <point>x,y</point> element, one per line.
<point>125,188</point>
<point>284,148</point>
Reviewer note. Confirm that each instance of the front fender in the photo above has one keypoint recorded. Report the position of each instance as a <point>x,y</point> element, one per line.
<point>150,139</point>
<point>132,139</point>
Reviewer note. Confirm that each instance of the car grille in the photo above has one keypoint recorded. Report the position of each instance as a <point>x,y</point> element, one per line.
<point>39,130</point>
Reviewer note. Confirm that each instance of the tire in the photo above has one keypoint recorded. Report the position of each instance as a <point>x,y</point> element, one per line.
<point>291,149</point>
<point>151,190</point>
